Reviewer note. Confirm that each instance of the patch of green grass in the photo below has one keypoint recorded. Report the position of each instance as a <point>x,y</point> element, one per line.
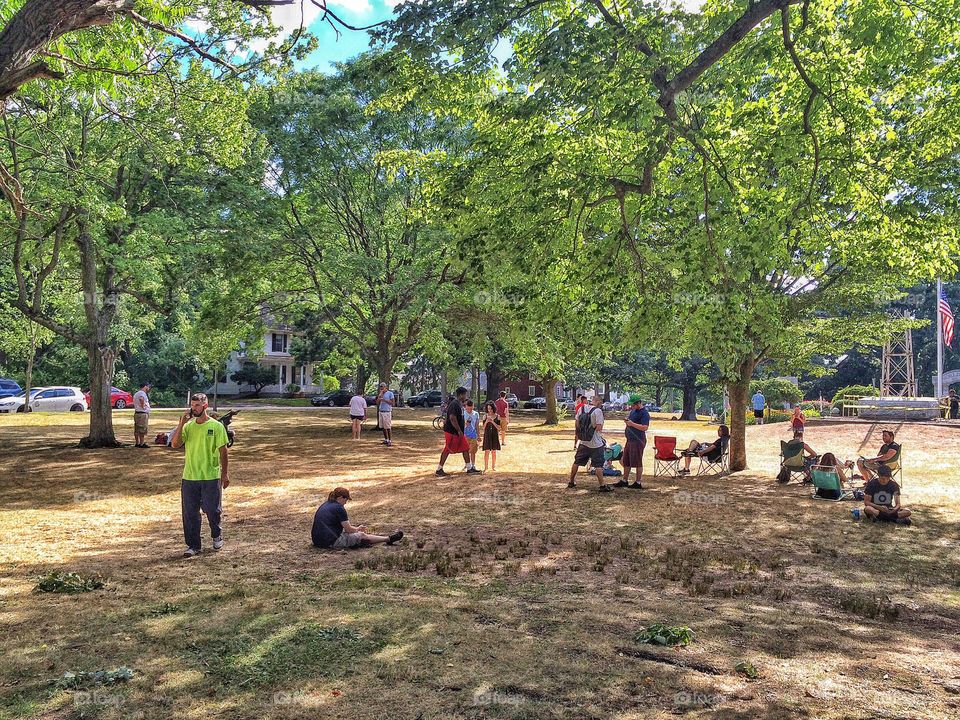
<point>288,652</point>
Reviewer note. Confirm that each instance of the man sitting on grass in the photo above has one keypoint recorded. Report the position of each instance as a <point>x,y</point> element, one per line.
<point>881,499</point>
<point>332,529</point>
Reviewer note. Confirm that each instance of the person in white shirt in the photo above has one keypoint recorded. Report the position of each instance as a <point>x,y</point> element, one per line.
<point>385,403</point>
<point>141,416</point>
<point>358,412</point>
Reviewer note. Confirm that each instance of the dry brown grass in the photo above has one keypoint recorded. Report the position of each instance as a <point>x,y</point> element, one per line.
<point>512,597</point>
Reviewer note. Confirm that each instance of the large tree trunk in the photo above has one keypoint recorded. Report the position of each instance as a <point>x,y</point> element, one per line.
<point>101,413</point>
<point>689,403</point>
<point>739,392</point>
<point>100,355</point>
<point>550,393</point>
<point>494,380</point>
<point>474,384</point>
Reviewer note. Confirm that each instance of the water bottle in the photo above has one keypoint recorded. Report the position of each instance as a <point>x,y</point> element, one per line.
<point>856,514</point>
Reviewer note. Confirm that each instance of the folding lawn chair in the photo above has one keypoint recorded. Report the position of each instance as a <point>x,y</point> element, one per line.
<point>791,458</point>
<point>666,462</point>
<point>720,466</point>
<point>828,480</point>
<point>896,472</point>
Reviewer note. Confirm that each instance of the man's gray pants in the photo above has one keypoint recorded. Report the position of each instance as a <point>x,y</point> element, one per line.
<point>197,495</point>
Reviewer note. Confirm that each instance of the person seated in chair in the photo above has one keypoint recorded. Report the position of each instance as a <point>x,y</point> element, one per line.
<point>713,451</point>
<point>829,462</point>
<point>881,499</point>
<point>888,451</point>
<point>797,445</point>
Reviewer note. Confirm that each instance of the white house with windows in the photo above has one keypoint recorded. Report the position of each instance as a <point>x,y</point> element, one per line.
<point>276,357</point>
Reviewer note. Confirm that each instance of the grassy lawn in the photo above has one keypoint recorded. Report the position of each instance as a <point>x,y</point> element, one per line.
<point>511,597</point>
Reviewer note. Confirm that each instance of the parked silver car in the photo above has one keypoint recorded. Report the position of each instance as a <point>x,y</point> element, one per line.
<point>47,399</point>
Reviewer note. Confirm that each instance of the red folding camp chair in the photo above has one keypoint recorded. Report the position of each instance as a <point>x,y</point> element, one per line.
<point>666,462</point>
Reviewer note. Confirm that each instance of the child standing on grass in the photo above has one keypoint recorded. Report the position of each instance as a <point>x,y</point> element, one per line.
<point>491,435</point>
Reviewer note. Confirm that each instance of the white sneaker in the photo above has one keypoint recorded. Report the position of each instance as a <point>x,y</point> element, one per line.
<point>190,552</point>
<point>218,543</point>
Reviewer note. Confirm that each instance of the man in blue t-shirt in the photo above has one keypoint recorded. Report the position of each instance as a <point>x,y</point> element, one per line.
<point>636,432</point>
<point>759,403</point>
<point>332,529</point>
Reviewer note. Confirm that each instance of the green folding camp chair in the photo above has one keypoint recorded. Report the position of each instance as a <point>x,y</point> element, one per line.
<point>828,480</point>
<point>791,458</point>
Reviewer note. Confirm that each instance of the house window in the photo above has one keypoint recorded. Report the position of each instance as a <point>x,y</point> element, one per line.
<point>283,373</point>
<point>279,342</point>
<point>530,376</point>
<point>531,391</point>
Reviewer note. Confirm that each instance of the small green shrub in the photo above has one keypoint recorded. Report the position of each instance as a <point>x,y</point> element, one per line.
<point>78,680</point>
<point>71,582</point>
<point>673,635</point>
<point>863,390</point>
<point>746,669</point>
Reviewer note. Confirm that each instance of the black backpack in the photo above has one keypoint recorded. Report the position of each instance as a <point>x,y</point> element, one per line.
<point>585,427</point>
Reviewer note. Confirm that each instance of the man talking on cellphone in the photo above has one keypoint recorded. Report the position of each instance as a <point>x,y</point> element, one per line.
<point>204,472</point>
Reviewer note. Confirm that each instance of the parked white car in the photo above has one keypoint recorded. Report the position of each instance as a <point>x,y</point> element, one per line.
<point>48,399</point>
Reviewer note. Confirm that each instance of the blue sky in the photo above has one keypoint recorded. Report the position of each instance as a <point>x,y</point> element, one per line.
<point>349,44</point>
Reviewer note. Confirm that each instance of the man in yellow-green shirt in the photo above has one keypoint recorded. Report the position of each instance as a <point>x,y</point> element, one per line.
<point>204,472</point>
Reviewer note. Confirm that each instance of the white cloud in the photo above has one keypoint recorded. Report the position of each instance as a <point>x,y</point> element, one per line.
<point>361,7</point>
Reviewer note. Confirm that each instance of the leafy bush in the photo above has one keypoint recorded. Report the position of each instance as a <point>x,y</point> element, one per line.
<point>291,388</point>
<point>167,398</point>
<point>863,390</point>
<point>71,582</point>
<point>254,375</point>
<point>746,670</point>
<point>779,416</point>
<point>663,635</point>
<point>777,392</point>
<point>78,680</point>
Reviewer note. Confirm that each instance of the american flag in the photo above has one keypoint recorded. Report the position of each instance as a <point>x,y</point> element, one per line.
<point>946,317</point>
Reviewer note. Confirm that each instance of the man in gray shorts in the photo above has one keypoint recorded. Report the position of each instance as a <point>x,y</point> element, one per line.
<point>141,416</point>
<point>333,531</point>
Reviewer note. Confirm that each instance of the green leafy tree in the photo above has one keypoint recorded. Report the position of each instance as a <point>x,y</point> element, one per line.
<point>351,238</point>
<point>763,182</point>
<point>254,375</point>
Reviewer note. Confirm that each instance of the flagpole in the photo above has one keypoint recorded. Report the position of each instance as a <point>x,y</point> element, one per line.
<point>939,342</point>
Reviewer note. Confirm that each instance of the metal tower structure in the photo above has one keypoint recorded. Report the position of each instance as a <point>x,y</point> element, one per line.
<point>898,379</point>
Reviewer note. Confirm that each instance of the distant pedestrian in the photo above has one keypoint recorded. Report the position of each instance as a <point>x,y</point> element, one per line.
<point>637,424</point>
<point>491,434</point>
<point>503,410</point>
<point>798,420</point>
<point>455,441</point>
<point>759,403</point>
<point>471,418</point>
<point>204,472</point>
<point>141,416</point>
<point>358,412</point>
<point>581,401</point>
<point>954,405</point>
<point>385,402</point>
<point>332,529</point>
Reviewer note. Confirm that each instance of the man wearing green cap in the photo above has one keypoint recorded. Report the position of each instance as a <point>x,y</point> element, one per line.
<point>636,431</point>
